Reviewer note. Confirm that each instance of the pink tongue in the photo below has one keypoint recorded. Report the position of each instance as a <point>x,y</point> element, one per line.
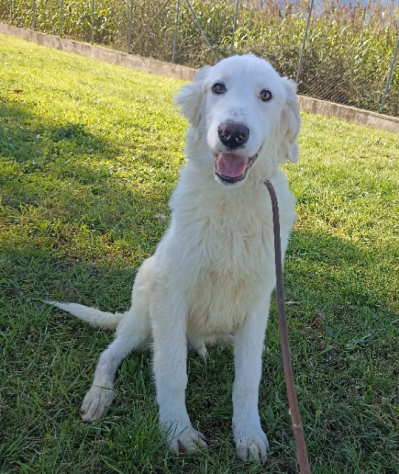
<point>231,165</point>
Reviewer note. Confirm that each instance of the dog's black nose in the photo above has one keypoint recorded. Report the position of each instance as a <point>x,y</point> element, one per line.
<point>233,135</point>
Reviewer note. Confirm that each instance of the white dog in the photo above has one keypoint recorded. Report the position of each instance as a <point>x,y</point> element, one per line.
<point>213,272</point>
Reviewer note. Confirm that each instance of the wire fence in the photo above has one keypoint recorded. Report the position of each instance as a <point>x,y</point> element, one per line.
<point>344,54</point>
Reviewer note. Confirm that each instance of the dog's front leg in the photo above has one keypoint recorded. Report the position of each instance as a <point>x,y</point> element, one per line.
<point>170,360</point>
<point>248,347</point>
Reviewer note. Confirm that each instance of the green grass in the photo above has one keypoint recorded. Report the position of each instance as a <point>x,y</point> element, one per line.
<point>89,155</point>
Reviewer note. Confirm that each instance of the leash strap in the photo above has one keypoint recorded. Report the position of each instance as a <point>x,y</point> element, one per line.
<point>302,454</point>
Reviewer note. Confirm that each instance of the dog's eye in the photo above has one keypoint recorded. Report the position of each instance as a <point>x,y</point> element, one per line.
<point>219,88</point>
<point>265,95</point>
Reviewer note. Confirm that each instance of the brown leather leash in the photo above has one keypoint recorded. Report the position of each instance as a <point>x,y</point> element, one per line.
<point>301,452</point>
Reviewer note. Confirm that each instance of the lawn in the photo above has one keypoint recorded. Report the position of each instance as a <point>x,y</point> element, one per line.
<point>89,155</point>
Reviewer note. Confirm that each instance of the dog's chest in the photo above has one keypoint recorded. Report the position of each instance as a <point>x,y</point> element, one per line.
<point>234,269</point>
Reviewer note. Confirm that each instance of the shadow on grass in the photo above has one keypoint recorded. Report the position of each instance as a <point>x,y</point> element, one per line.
<point>75,232</point>
<point>62,188</point>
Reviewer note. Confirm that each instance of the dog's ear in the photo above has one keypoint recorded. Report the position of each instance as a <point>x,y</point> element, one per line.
<point>189,97</point>
<point>290,122</point>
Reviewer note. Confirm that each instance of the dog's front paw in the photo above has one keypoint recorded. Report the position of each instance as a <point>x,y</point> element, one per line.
<point>250,441</point>
<point>182,437</point>
<point>96,403</point>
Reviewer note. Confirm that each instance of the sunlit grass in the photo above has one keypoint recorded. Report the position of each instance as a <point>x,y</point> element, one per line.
<point>89,155</point>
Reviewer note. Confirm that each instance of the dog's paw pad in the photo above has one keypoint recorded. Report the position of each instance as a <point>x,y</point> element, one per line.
<point>251,443</point>
<point>96,403</point>
<point>184,439</point>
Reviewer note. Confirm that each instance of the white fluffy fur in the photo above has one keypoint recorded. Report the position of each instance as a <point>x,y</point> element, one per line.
<point>212,274</point>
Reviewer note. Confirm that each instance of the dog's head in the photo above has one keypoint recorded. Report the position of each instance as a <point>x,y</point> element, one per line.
<point>244,113</point>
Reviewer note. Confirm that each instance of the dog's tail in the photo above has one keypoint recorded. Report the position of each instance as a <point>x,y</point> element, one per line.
<point>93,316</point>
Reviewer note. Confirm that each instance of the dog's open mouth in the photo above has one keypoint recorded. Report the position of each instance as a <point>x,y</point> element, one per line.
<point>231,168</point>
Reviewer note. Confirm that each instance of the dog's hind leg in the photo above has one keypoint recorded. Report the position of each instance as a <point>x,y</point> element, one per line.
<point>133,332</point>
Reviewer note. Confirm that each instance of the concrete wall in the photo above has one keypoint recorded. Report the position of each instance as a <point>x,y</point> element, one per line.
<point>350,114</point>
<point>153,66</point>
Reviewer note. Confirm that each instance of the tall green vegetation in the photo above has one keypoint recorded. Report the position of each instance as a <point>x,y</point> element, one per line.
<point>347,56</point>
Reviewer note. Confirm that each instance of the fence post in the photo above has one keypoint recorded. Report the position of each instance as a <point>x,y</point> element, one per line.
<point>390,76</point>
<point>175,35</point>
<point>202,30</point>
<point>61,13</point>
<point>11,10</point>
<point>92,21</point>
<point>234,28</point>
<point>34,14</point>
<point>304,42</point>
<point>130,27</point>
